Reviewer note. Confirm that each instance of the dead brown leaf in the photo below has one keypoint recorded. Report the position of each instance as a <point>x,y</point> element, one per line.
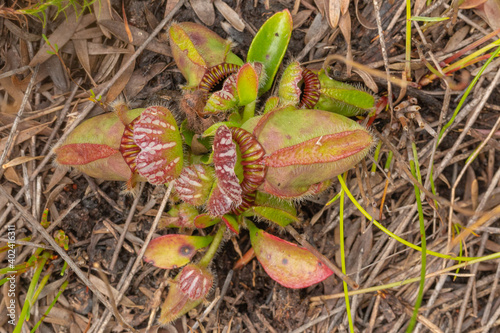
<point>96,49</point>
<point>169,6</point>
<point>333,13</point>
<point>363,20</point>
<point>11,175</point>
<point>59,37</point>
<point>151,18</point>
<point>490,12</point>
<point>25,135</point>
<point>15,93</point>
<point>139,36</point>
<point>345,28</point>
<point>125,23</point>
<point>102,10</point>
<point>367,80</point>
<point>139,79</point>
<point>344,6</point>
<point>57,73</point>
<point>230,15</point>
<point>122,81</point>
<point>20,160</point>
<point>418,6</point>
<point>4,200</point>
<point>88,33</point>
<point>204,10</point>
<point>82,52</point>
<point>20,32</point>
<point>469,4</point>
<point>322,6</point>
<point>56,178</point>
<point>301,18</point>
<point>314,29</point>
<point>7,119</point>
<point>101,286</point>
<point>107,65</point>
<point>474,191</point>
<point>455,40</point>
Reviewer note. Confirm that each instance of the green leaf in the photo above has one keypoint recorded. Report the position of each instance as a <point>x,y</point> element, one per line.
<point>172,251</point>
<point>247,84</point>
<point>269,45</point>
<point>212,129</point>
<point>186,133</point>
<point>231,223</point>
<point>273,209</point>
<point>271,104</point>
<point>204,221</point>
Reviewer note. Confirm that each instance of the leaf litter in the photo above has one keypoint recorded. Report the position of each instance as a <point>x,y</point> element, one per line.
<point>95,46</point>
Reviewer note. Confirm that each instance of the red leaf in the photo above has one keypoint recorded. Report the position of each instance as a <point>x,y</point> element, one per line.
<point>82,153</point>
<point>195,282</point>
<point>156,133</point>
<point>227,190</point>
<point>285,262</point>
<point>219,203</point>
<point>194,184</point>
<point>231,223</point>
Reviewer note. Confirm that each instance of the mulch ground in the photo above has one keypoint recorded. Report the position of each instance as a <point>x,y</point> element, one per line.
<point>45,95</point>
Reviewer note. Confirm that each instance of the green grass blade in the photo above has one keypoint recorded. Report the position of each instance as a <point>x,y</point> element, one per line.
<point>393,235</point>
<point>61,290</point>
<point>415,169</point>
<point>342,256</point>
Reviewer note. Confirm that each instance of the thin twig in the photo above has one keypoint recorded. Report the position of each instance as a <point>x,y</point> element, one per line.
<point>107,316</point>
<point>125,228</point>
<point>381,39</point>
<point>468,125</point>
<point>10,139</point>
<point>62,116</point>
<point>487,309</point>
<point>38,227</point>
<point>470,285</point>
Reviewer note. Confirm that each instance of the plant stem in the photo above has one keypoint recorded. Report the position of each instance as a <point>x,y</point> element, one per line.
<point>248,112</point>
<point>214,246</point>
<point>408,41</point>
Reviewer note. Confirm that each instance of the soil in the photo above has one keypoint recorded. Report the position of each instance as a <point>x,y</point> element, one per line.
<point>253,302</point>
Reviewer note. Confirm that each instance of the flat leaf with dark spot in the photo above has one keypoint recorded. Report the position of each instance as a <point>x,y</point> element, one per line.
<point>289,265</point>
<point>172,251</point>
<point>269,45</point>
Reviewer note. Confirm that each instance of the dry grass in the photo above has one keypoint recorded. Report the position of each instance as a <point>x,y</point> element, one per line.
<point>43,101</point>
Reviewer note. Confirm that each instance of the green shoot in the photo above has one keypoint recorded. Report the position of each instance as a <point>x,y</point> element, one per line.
<point>39,8</point>
<point>376,157</point>
<point>428,19</point>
